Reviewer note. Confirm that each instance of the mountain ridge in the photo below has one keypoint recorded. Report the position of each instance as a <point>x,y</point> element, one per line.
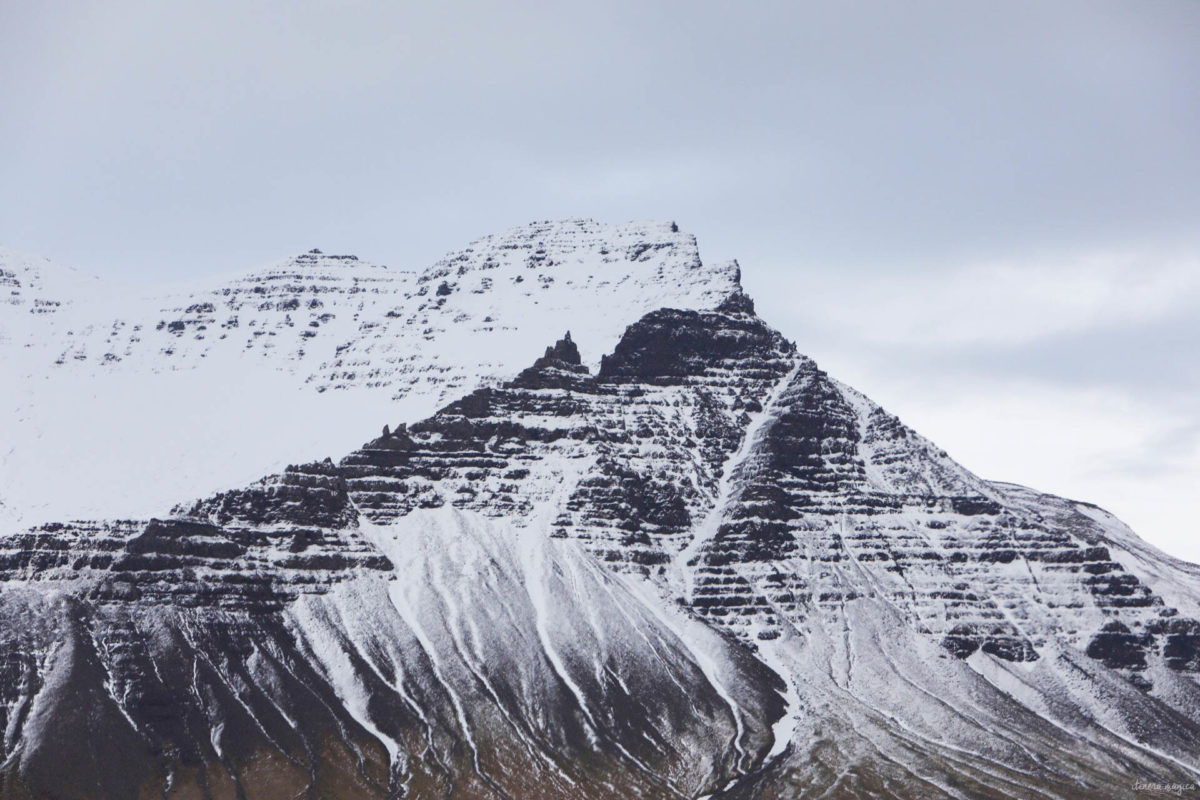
<point>696,565</point>
<point>343,339</point>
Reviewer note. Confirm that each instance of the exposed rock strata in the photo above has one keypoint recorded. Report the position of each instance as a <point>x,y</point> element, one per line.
<point>701,566</point>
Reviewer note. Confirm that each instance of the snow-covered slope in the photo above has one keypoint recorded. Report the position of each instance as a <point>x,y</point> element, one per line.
<point>103,387</point>
<point>688,564</point>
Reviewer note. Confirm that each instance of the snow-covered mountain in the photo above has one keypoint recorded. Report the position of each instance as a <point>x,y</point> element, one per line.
<point>668,557</point>
<point>103,387</point>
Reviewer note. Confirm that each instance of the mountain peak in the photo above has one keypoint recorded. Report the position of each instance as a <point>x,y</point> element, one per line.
<point>705,569</point>
<point>317,257</point>
<point>564,351</point>
<point>565,245</point>
<point>332,331</point>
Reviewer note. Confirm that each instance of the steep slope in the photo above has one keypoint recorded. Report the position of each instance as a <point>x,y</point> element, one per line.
<point>102,386</point>
<point>298,649</point>
<point>696,565</point>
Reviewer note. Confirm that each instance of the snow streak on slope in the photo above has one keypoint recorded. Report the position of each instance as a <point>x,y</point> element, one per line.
<point>460,659</point>
<point>729,486</point>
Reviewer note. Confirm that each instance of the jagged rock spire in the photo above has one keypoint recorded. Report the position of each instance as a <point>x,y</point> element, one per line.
<point>560,366</point>
<point>564,351</point>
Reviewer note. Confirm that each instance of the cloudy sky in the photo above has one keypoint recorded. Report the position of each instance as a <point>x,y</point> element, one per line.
<point>986,215</point>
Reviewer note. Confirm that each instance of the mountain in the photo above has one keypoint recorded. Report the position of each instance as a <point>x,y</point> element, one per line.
<point>102,387</point>
<point>682,563</point>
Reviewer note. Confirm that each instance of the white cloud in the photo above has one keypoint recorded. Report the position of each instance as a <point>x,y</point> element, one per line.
<point>1005,303</point>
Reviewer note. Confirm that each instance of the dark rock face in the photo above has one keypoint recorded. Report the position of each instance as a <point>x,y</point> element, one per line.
<point>564,353</point>
<point>668,346</point>
<point>1118,648</point>
<point>1002,641</point>
<point>308,494</point>
<point>1180,643</point>
<point>321,633</point>
<point>261,560</point>
<point>559,368</point>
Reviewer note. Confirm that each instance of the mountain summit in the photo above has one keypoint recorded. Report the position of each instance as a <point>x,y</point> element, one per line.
<point>113,371</point>
<point>670,557</point>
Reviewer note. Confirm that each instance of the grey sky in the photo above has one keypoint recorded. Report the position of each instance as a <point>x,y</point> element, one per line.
<point>984,214</point>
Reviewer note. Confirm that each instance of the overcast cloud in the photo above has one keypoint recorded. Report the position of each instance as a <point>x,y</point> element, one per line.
<point>985,215</point>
